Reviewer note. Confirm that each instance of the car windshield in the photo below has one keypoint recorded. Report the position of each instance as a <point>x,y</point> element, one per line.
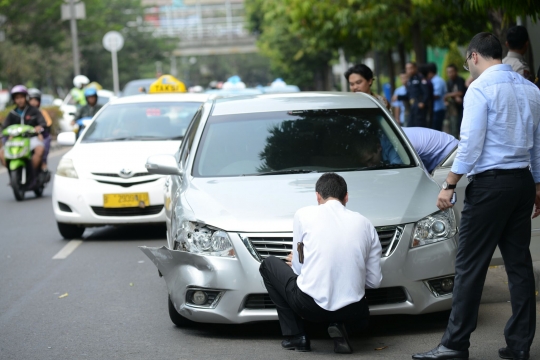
<point>299,142</point>
<point>137,87</point>
<point>102,100</point>
<point>143,121</point>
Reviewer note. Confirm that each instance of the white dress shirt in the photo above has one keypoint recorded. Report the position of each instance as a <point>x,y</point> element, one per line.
<point>500,124</point>
<point>342,254</point>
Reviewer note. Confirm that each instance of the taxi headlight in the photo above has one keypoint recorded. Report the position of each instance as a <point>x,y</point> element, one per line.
<point>204,240</point>
<point>66,168</point>
<point>434,228</point>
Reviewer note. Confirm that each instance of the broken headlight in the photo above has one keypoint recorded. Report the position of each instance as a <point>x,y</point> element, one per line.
<point>204,240</point>
<point>434,228</point>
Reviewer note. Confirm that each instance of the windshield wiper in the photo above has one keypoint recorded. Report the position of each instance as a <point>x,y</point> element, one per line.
<point>286,171</point>
<point>375,167</point>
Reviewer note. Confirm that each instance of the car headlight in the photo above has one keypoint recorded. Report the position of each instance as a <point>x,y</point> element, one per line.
<point>204,240</point>
<point>434,228</point>
<point>66,168</point>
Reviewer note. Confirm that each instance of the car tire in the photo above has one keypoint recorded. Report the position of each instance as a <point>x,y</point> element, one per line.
<point>176,318</point>
<point>70,231</point>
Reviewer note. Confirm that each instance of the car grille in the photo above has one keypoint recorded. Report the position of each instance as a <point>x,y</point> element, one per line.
<point>382,296</point>
<point>118,175</point>
<point>126,184</point>
<point>265,246</point>
<point>129,211</point>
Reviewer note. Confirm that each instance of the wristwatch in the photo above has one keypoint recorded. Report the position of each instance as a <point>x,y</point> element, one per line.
<point>447,186</point>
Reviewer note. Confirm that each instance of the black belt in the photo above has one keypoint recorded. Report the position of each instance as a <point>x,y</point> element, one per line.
<point>498,172</point>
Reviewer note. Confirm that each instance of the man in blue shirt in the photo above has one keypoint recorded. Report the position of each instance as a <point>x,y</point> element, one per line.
<point>500,139</point>
<point>439,90</point>
<point>399,106</point>
<point>431,145</point>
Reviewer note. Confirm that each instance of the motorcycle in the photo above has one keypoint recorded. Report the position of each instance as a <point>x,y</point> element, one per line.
<point>19,161</point>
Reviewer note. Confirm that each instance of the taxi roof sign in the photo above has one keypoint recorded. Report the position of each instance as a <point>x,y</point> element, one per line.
<point>167,84</point>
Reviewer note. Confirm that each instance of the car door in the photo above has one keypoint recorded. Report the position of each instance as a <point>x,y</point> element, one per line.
<point>439,175</point>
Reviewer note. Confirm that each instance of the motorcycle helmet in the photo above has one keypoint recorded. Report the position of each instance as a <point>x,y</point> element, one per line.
<point>18,89</point>
<point>90,92</point>
<point>80,80</point>
<point>34,93</point>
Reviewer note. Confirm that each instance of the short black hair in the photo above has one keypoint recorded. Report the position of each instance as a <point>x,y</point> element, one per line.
<point>517,37</point>
<point>423,69</point>
<point>331,185</point>
<point>432,67</point>
<point>360,69</point>
<point>487,45</point>
<point>453,66</point>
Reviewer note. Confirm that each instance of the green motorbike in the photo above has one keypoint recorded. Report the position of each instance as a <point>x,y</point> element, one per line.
<point>18,157</point>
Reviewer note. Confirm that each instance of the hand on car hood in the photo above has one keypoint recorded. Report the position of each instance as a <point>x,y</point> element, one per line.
<point>268,203</point>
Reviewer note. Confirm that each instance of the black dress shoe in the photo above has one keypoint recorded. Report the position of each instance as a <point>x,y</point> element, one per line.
<point>298,343</point>
<point>507,353</point>
<point>341,339</point>
<point>442,352</point>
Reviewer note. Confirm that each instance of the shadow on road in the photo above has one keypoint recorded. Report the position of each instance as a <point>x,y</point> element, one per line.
<point>379,326</point>
<point>126,233</point>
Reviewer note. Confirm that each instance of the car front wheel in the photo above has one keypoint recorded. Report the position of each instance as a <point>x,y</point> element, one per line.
<point>70,231</point>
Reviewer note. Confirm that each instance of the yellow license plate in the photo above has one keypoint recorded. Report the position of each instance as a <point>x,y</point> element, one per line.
<point>126,200</point>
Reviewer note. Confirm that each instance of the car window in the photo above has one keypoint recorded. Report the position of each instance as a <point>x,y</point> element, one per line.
<point>143,121</point>
<point>188,141</point>
<point>302,141</point>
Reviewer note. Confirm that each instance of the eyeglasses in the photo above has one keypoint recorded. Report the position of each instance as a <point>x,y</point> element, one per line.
<point>465,64</point>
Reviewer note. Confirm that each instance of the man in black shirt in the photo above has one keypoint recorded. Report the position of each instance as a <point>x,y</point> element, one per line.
<point>454,97</point>
<point>417,95</point>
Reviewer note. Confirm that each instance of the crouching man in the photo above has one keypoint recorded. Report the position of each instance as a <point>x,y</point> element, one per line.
<point>336,255</point>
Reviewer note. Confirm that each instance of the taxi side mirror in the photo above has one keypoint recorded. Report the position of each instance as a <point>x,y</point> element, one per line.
<point>163,165</point>
<point>67,138</point>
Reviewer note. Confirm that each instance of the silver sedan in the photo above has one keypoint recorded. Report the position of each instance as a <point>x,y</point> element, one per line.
<point>248,163</point>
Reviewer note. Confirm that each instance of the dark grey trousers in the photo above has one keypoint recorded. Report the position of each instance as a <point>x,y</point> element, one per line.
<point>497,211</point>
<point>293,305</point>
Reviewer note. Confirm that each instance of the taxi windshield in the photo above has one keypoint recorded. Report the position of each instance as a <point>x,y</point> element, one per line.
<point>143,121</point>
<point>292,142</point>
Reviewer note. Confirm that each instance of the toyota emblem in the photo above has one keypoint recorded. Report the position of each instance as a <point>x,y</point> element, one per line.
<point>126,173</point>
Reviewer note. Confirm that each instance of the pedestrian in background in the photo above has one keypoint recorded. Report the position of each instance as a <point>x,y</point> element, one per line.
<point>454,97</point>
<point>423,69</point>
<point>500,139</point>
<point>401,108</point>
<point>360,78</point>
<point>517,41</point>
<point>336,256</point>
<point>417,95</point>
<point>439,92</point>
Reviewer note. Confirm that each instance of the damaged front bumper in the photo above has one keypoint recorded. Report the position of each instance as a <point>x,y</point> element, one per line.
<point>236,292</point>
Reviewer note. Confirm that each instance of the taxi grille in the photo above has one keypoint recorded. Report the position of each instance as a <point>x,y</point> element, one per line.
<point>382,296</point>
<point>280,247</point>
<point>129,211</point>
<point>118,175</point>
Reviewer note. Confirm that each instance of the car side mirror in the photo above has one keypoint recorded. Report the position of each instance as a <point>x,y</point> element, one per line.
<point>67,138</point>
<point>163,165</point>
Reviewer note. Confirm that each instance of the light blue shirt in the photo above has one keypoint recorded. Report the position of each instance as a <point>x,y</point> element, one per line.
<point>500,124</point>
<point>439,89</point>
<point>402,90</point>
<point>431,145</point>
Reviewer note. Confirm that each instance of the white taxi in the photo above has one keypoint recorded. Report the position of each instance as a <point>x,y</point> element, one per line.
<point>102,179</point>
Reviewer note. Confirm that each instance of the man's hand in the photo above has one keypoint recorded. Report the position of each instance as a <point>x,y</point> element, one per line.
<point>537,202</point>
<point>38,129</point>
<point>443,201</point>
<point>420,105</point>
<point>288,260</point>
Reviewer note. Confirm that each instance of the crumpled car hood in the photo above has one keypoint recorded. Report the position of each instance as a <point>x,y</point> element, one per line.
<point>268,203</point>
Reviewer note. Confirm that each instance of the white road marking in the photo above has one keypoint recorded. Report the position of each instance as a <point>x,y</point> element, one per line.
<point>67,250</point>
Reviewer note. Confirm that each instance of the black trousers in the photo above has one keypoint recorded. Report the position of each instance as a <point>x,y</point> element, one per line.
<point>497,211</point>
<point>418,117</point>
<point>293,305</point>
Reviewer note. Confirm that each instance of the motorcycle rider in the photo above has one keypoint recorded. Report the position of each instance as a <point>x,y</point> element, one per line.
<point>92,107</point>
<point>77,93</point>
<point>25,114</point>
<point>34,96</point>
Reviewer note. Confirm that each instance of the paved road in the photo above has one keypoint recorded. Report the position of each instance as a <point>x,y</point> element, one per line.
<point>116,307</point>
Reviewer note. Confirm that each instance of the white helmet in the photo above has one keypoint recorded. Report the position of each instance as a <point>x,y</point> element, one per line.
<point>80,80</point>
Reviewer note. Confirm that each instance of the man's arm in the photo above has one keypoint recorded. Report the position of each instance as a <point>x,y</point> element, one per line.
<point>473,135</point>
<point>373,262</point>
<point>535,167</point>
